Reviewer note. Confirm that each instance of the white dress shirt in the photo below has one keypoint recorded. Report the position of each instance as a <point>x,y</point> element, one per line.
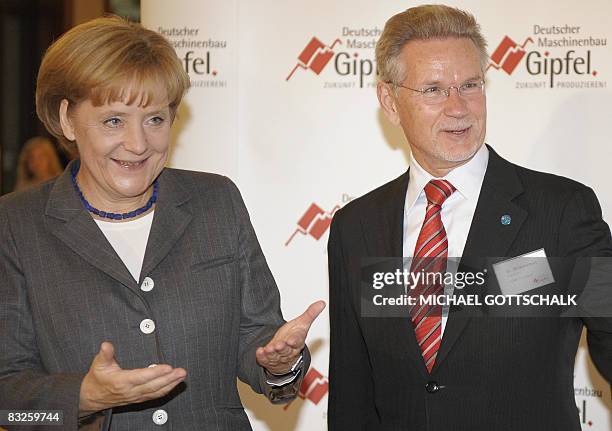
<point>457,211</point>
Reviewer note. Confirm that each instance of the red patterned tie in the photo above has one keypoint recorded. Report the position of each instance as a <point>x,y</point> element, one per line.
<point>430,255</point>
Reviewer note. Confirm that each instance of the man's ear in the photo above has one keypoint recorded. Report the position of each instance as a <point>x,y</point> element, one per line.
<point>65,121</point>
<point>388,102</point>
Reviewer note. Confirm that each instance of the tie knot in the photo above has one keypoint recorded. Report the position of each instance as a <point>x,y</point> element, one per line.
<point>437,191</point>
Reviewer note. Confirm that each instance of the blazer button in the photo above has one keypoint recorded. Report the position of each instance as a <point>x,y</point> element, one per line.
<point>432,387</point>
<point>160,417</point>
<point>147,326</point>
<point>147,284</point>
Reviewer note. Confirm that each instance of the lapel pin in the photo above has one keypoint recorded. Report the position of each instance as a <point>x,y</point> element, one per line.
<point>506,219</point>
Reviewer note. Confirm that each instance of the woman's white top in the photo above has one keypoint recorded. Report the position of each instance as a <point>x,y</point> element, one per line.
<point>129,239</point>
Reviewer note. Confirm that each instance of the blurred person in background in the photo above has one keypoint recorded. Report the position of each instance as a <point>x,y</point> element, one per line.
<point>38,162</point>
<point>133,295</point>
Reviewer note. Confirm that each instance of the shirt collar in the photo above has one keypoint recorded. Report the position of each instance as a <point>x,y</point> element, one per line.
<point>467,178</point>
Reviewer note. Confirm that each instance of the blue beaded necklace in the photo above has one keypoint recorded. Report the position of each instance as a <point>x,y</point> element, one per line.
<point>109,215</point>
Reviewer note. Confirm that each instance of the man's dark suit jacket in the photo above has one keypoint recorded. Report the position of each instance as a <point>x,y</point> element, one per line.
<point>64,290</point>
<point>491,373</point>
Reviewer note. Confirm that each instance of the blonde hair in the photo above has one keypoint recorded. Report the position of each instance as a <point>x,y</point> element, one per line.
<point>105,60</point>
<point>25,177</point>
<point>423,23</point>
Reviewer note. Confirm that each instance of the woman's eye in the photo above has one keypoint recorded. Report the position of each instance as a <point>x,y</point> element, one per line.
<point>156,121</point>
<point>113,122</point>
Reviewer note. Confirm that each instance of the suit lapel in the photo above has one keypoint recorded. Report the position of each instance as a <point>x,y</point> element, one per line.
<point>383,229</point>
<point>73,225</point>
<point>487,237</point>
<point>171,219</point>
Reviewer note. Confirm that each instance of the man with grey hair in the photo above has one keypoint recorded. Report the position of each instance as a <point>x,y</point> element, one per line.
<point>440,366</point>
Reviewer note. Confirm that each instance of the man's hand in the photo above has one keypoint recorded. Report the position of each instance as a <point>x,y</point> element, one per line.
<point>106,385</point>
<point>279,355</point>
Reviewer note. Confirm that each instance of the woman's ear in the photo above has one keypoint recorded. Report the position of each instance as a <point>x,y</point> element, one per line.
<point>65,121</point>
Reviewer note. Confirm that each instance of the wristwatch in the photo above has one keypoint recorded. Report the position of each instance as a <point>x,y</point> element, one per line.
<point>283,379</point>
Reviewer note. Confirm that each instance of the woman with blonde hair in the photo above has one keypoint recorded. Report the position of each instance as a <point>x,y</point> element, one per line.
<point>133,295</point>
<point>38,162</point>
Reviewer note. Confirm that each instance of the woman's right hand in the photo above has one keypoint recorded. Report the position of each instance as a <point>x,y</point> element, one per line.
<point>106,385</point>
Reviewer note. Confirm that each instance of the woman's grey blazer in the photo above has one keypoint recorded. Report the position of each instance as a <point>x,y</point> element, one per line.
<point>64,290</point>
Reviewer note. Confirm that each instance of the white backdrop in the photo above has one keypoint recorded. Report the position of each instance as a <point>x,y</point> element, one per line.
<point>283,101</point>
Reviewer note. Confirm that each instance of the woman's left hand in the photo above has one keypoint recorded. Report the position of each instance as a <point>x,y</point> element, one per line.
<point>282,352</point>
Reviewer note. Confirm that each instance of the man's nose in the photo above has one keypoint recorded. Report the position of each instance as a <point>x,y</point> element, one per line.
<point>455,104</point>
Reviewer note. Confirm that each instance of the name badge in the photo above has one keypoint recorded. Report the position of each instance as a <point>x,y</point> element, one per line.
<point>523,273</point>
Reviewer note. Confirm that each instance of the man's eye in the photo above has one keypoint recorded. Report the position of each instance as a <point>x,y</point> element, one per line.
<point>470,85</point>
<point>431,90</point>
<point>113,122</point>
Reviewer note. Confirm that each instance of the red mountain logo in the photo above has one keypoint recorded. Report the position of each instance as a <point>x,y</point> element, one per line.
<point>314,222</point>
<point>314,387</point>
<point>314,56</point>
<point>508,55</point>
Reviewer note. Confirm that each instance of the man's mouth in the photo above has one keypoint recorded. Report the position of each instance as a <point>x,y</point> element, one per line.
<point>458,131</point>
